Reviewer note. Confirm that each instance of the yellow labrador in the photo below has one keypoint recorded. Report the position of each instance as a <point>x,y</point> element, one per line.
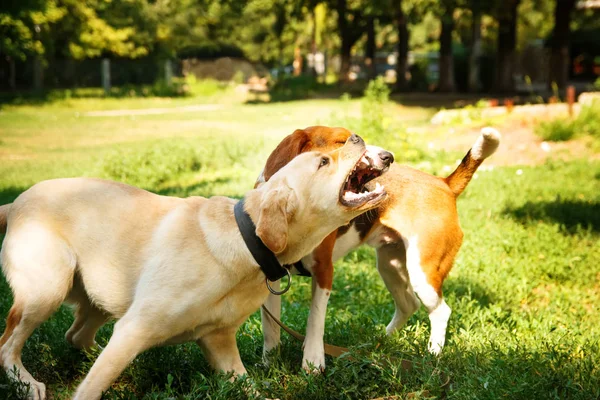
<point>171,270</point>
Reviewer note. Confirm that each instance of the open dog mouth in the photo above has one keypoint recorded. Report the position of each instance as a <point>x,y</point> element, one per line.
<point>354,193</point>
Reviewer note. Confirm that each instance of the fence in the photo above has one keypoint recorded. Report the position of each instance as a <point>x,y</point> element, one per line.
<point>67,73</point>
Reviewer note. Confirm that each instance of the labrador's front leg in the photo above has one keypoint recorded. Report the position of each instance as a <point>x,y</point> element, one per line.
<point>221,351</point>
<point>129,339</point>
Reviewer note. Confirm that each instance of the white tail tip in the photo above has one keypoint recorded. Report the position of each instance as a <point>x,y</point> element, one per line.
<point>486,144</point>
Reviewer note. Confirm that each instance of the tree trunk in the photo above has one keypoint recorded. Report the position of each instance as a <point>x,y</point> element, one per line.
<point>297,64</point>
<point>280,70</point>
<point>12,73</point>
<point>279,26</point>
<point>559,59</point>
<point>313,45</point>
<point>446,83</point>
<point>370,50</point>
<point>346,46</point>
<point>38,74</point>
<point>475,52</point>
<point>402,62</point>
<point>507,41</point>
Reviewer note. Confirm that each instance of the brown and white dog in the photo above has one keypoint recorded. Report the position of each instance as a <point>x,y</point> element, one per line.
<point>416,233</point>
<point>171,270</point>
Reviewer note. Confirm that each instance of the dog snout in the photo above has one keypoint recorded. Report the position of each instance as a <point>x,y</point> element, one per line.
<point>379,158</point>
<point>386,157</point>
<point>355,139</point>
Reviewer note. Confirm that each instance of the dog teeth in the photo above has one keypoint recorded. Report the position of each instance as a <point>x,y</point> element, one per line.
<point>378,187</point>
<point>349,196</point>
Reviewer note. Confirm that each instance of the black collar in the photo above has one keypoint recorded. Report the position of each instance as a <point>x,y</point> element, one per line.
<point>265,258</point>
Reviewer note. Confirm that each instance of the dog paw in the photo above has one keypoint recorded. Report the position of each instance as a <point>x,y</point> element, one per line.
<point>269,355</point>
<point>435,348</point>
<point>314,365</point>
<point>37,391</point>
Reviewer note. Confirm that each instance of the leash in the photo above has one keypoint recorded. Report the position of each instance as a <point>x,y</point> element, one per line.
<point>330,350</point>
<point>336,351</point>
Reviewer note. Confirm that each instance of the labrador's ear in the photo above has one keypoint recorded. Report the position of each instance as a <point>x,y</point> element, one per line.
<point>276,208</point>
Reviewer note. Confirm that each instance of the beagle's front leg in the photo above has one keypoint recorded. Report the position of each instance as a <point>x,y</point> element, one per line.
<point>322,272</point>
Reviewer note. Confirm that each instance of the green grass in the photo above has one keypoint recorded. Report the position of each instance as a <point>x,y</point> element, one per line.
<point>587,123</point>
<point>525,289</point>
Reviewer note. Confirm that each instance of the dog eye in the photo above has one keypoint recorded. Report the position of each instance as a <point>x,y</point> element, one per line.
<point>324,162</point>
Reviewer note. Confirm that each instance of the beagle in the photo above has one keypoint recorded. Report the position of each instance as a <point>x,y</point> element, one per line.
<point>415,232</point>
<point>171,270</point>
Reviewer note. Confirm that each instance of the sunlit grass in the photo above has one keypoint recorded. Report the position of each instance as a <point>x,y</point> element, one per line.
<point>525,288</point>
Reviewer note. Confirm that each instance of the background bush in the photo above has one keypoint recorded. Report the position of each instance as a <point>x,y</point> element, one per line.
<point>587,123</point>
<point>152,166</point>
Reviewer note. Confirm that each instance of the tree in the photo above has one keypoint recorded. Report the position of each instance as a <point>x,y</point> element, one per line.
<point>351,25</point>
<point>559,59</point>
<point>506,14</point>
<point>446,82</point>
<point>477,8</point>
<point>405,12</point>
<point>475,52</point>
<point>402,61</point>
<point>19,34</point>
<point>370,48</point>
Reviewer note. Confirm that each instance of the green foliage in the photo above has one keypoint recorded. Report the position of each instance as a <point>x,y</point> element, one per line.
<point>588,120</point>
<point>587,123</point>
<point>203,87</point>
<point>597,84</point>
<point>294,88</point>
<point>556,130</point>
<point>16,39</point>
<point>92,36</point>
<point>210,50</point>
<point>376,126</point>
<point>153,166</point>
<point>374,122</point>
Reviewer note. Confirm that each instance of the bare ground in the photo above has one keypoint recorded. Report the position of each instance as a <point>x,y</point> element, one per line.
<point>519,145</point>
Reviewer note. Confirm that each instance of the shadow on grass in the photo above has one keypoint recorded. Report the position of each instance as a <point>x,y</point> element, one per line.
<point>9,194</point>
<point>570,214</point>
<point>461,287</point>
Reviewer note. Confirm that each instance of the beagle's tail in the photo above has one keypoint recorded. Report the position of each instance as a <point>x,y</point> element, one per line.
<point>485,145</point>
<point>4,217</point>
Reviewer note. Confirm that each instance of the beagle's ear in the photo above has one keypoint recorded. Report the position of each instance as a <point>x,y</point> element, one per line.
<point>290,147</point>
<point>276,208</point>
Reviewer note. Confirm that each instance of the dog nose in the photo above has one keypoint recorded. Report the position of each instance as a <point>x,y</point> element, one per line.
<point>386,157</point>
<point>356,139</point>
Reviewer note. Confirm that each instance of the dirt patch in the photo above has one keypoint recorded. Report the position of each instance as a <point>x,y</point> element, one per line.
<point>519,145</point>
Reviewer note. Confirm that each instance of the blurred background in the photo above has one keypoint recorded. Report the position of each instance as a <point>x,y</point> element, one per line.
<point>536,47</point>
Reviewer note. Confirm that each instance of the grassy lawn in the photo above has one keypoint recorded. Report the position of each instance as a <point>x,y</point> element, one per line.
<point>525,289</point>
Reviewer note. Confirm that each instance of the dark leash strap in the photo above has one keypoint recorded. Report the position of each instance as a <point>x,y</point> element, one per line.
<point>331,350</point>
<point>337,351</point>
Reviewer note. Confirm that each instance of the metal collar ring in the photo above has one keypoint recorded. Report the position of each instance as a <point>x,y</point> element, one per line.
<point>285,289</point>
